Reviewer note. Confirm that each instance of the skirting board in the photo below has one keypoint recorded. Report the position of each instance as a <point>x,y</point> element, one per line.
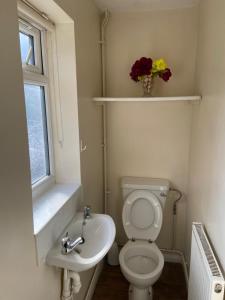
<point>94,280</point>
<point>176,256</point>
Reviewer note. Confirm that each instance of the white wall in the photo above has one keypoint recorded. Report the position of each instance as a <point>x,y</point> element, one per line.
<point>207,172</point>
<point>87,35</point>
<point>170,34</point>
<point>150,139</point>
<point>20,277</point>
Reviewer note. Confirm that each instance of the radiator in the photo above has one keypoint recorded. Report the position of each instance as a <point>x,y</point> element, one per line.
<point>206,281</point>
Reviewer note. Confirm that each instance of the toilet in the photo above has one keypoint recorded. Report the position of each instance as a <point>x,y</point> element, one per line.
<point>141,261</point>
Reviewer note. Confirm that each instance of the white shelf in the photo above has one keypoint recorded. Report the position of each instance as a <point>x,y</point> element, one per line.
<point>148,99</point>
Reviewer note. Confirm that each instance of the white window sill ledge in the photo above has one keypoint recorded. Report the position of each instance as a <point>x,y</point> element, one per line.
<point>46,206</point>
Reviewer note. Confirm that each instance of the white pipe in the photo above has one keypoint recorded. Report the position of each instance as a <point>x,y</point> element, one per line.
<point>71,284</point>
<point>104,113</point>
<point>105,166</point>
<point>103,27</point>
<point>183,261</point>
<point>76,283</point>
<point>66,290</point>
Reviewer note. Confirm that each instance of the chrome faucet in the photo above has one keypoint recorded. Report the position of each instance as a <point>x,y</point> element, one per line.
<point>68,244</point>
<point>87,212</point>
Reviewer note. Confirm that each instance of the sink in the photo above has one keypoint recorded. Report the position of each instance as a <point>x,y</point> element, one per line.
<point>99,234</point>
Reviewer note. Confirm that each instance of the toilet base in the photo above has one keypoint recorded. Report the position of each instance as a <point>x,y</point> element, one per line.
<point>136,293</point>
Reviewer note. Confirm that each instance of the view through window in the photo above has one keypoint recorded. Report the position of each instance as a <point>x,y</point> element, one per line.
<point>35,86</point>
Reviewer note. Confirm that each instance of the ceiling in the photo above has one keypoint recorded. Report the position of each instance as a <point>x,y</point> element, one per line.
<point>143,5</point>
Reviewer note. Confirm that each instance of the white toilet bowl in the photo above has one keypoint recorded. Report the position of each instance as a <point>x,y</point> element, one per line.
<point>141,263</point>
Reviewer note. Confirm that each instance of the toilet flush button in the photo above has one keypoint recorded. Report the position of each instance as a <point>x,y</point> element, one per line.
<point>156,225</point>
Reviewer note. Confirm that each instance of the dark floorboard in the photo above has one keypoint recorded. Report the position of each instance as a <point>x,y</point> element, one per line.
<point>113,286</point>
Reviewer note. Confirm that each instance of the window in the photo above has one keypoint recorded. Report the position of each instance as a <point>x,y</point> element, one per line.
<point>27,48</point>
<point>36,85</point>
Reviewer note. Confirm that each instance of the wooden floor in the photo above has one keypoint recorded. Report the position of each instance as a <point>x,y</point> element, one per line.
<point>113,286</point>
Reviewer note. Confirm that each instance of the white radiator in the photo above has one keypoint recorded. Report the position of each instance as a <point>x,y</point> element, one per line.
<point>206,281</point>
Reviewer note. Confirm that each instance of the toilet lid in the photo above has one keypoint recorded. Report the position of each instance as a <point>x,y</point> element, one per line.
<point>142,215</point>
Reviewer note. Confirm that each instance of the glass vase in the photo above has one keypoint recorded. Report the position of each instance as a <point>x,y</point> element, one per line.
<point>147,85</point>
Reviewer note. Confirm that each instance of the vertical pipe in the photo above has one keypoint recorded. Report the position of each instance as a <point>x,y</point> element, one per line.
<point>114,249</point>
<point>104,110</point>
<point>105,170</point>
<point>66,291</point>
<point>174,222</point>
<point>103,26</point>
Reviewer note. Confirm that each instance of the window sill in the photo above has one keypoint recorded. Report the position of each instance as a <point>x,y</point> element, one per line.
<point>46,206</point>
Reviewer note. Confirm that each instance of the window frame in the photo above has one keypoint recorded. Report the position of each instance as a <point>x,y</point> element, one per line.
<point>38,74</point>
<point>29,29</point>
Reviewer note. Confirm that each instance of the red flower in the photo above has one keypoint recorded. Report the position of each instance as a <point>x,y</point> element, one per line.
<point>166,75</point>
<point>141,67</point>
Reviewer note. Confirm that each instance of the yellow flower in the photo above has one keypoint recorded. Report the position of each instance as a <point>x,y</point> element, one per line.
<point>159,65</point>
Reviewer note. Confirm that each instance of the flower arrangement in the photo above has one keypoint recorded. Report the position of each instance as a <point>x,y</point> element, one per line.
<point>145,69</point>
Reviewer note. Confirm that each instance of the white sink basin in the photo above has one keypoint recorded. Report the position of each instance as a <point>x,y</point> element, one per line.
<point>99,234</point>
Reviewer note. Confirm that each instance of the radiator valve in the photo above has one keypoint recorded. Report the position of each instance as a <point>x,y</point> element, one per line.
<point>218,288</point>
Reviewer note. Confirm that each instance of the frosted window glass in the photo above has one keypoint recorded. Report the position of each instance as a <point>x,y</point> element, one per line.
<point>27,48</point>
<point>37,131</point>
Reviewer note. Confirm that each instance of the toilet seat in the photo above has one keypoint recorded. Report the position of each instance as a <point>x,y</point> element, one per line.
<point>142,215</point>
<point>139,273</point>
